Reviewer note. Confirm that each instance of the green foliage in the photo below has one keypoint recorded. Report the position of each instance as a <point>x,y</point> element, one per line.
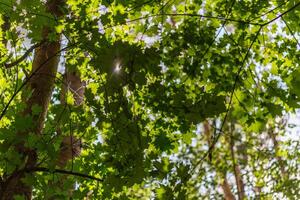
<point>157,73</point>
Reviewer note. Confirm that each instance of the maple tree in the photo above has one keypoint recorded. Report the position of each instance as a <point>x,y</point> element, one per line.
<point>149,99</point>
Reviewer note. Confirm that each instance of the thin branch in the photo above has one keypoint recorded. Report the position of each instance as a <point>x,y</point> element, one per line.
<point>239,71</point>
<point>24,56</point>
<point>164,5</point>
<point>234,87</point>
<point>212,17</point>
<point>61,171</point>
<point>222,27</point>
<point>279,16</point>
<point>236,80</point>
<point>240,103</point>
<point>212,146</point>
<point>236,171</point>
<point>264,14</point>
<point>196,15</point>
<point>290,31</point>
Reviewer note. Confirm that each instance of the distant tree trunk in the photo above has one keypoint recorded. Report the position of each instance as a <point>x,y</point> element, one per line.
<point>73,83</point>
<point>208,135</point>
<point>41,84</point>
<point>257,191</point>
<point>237,172</point>
<point>276,148</point>
<point>71,145</point>
<point>227,190</point>
<point>5,27</point>
<point>224,184</point>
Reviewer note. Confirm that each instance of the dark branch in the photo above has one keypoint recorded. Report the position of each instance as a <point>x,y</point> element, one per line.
<point>61,171</point>
<point>28,51</point>
<point>279,16</point>
<point>212,17</point>
<point>272,10</point>
<point>194,15</point>
<point>289,28</point>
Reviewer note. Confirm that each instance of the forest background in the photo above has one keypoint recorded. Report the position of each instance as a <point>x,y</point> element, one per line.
<point>149,99</point>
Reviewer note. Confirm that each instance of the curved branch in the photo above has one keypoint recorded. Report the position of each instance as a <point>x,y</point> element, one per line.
<point>16,62</point>
<point>61,171</point>
<point>282,14</point>
<point>194,15</point>
<point>264,14</point>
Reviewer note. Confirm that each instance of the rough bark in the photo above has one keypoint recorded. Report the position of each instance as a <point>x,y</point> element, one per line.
<point>40,86</point>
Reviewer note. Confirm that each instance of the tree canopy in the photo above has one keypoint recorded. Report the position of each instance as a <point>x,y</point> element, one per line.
<point>149,99</point>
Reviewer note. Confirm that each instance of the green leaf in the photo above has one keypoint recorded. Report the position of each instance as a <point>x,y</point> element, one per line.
<point>163,143</point>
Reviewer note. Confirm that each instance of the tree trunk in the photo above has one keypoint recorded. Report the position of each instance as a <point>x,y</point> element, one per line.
<point>5,27</point>
<point>276,148</point>
<point>237,172</point>
<point>40,86</point>
<point>225,185</point>
<point>227,191</point>
<point>71,145</point>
